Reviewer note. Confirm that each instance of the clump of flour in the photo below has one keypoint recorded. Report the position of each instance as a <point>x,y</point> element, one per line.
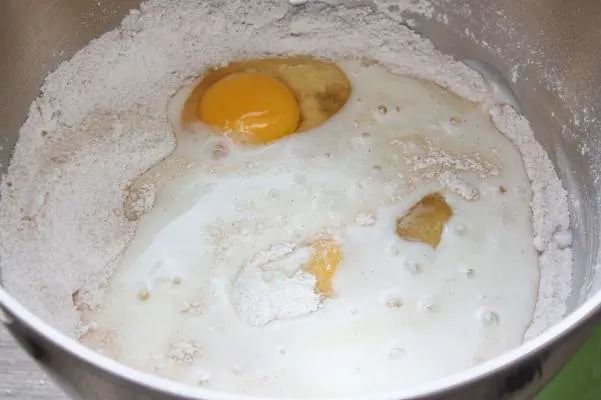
<point>260,287</point>
<point>100,122</point>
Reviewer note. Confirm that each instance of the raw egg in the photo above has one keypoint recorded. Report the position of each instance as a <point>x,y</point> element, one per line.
<point>259,101</point>
<point>325,260</point>
<point>255,107</point>
<point>425,221</point>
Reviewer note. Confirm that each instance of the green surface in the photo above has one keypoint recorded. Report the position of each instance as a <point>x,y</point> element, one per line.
<point>580,379</point>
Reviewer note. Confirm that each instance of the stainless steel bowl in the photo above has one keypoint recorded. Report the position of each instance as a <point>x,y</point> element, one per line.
<point>557,45</point>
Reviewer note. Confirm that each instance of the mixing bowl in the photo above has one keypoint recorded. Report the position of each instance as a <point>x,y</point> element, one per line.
<point>549,51</point>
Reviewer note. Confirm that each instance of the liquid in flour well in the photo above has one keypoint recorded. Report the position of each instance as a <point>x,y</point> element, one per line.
<point>215,289</point>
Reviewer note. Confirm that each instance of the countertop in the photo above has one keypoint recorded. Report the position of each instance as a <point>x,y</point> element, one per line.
<point>20,377</point>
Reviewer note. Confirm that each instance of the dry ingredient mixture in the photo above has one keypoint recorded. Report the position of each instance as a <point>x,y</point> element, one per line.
<point>101,121</point>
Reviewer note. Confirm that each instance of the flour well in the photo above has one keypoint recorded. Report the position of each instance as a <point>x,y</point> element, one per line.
<point>100,122</point>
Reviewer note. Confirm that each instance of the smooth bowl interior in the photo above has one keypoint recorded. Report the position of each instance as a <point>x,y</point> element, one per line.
<point>548,51</point>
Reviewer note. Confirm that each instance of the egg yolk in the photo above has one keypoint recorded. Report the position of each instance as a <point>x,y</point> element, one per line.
<point>325,260</point>
<point>425,221</point>
<point>253,108</point>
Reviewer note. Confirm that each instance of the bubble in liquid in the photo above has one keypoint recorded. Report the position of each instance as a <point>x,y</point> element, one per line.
<point>220,151</point>
<point>487,317</point>
<point>468,272</point>
<point>391,300</point>
<point>203,376</point>
<point>382,108</point>
<point>412,266</point>
<point>273,193</point>
<point>143,295</point>
<point>394,302</point>
<point>427,303</point>
<point>394,249</point>
<point>460,229</point>
<point>396,353</point>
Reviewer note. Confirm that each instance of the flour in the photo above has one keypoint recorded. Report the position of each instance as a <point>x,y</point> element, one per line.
<point>433,162</point>
<point>100,122</point>
<point>458,186</point>
<point>550,219</point>
<point>272,287</point>
<point>139,201</point>
<point>184,351</point>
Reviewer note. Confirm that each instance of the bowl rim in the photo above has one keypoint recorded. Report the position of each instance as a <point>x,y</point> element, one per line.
<point>19,314</point>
